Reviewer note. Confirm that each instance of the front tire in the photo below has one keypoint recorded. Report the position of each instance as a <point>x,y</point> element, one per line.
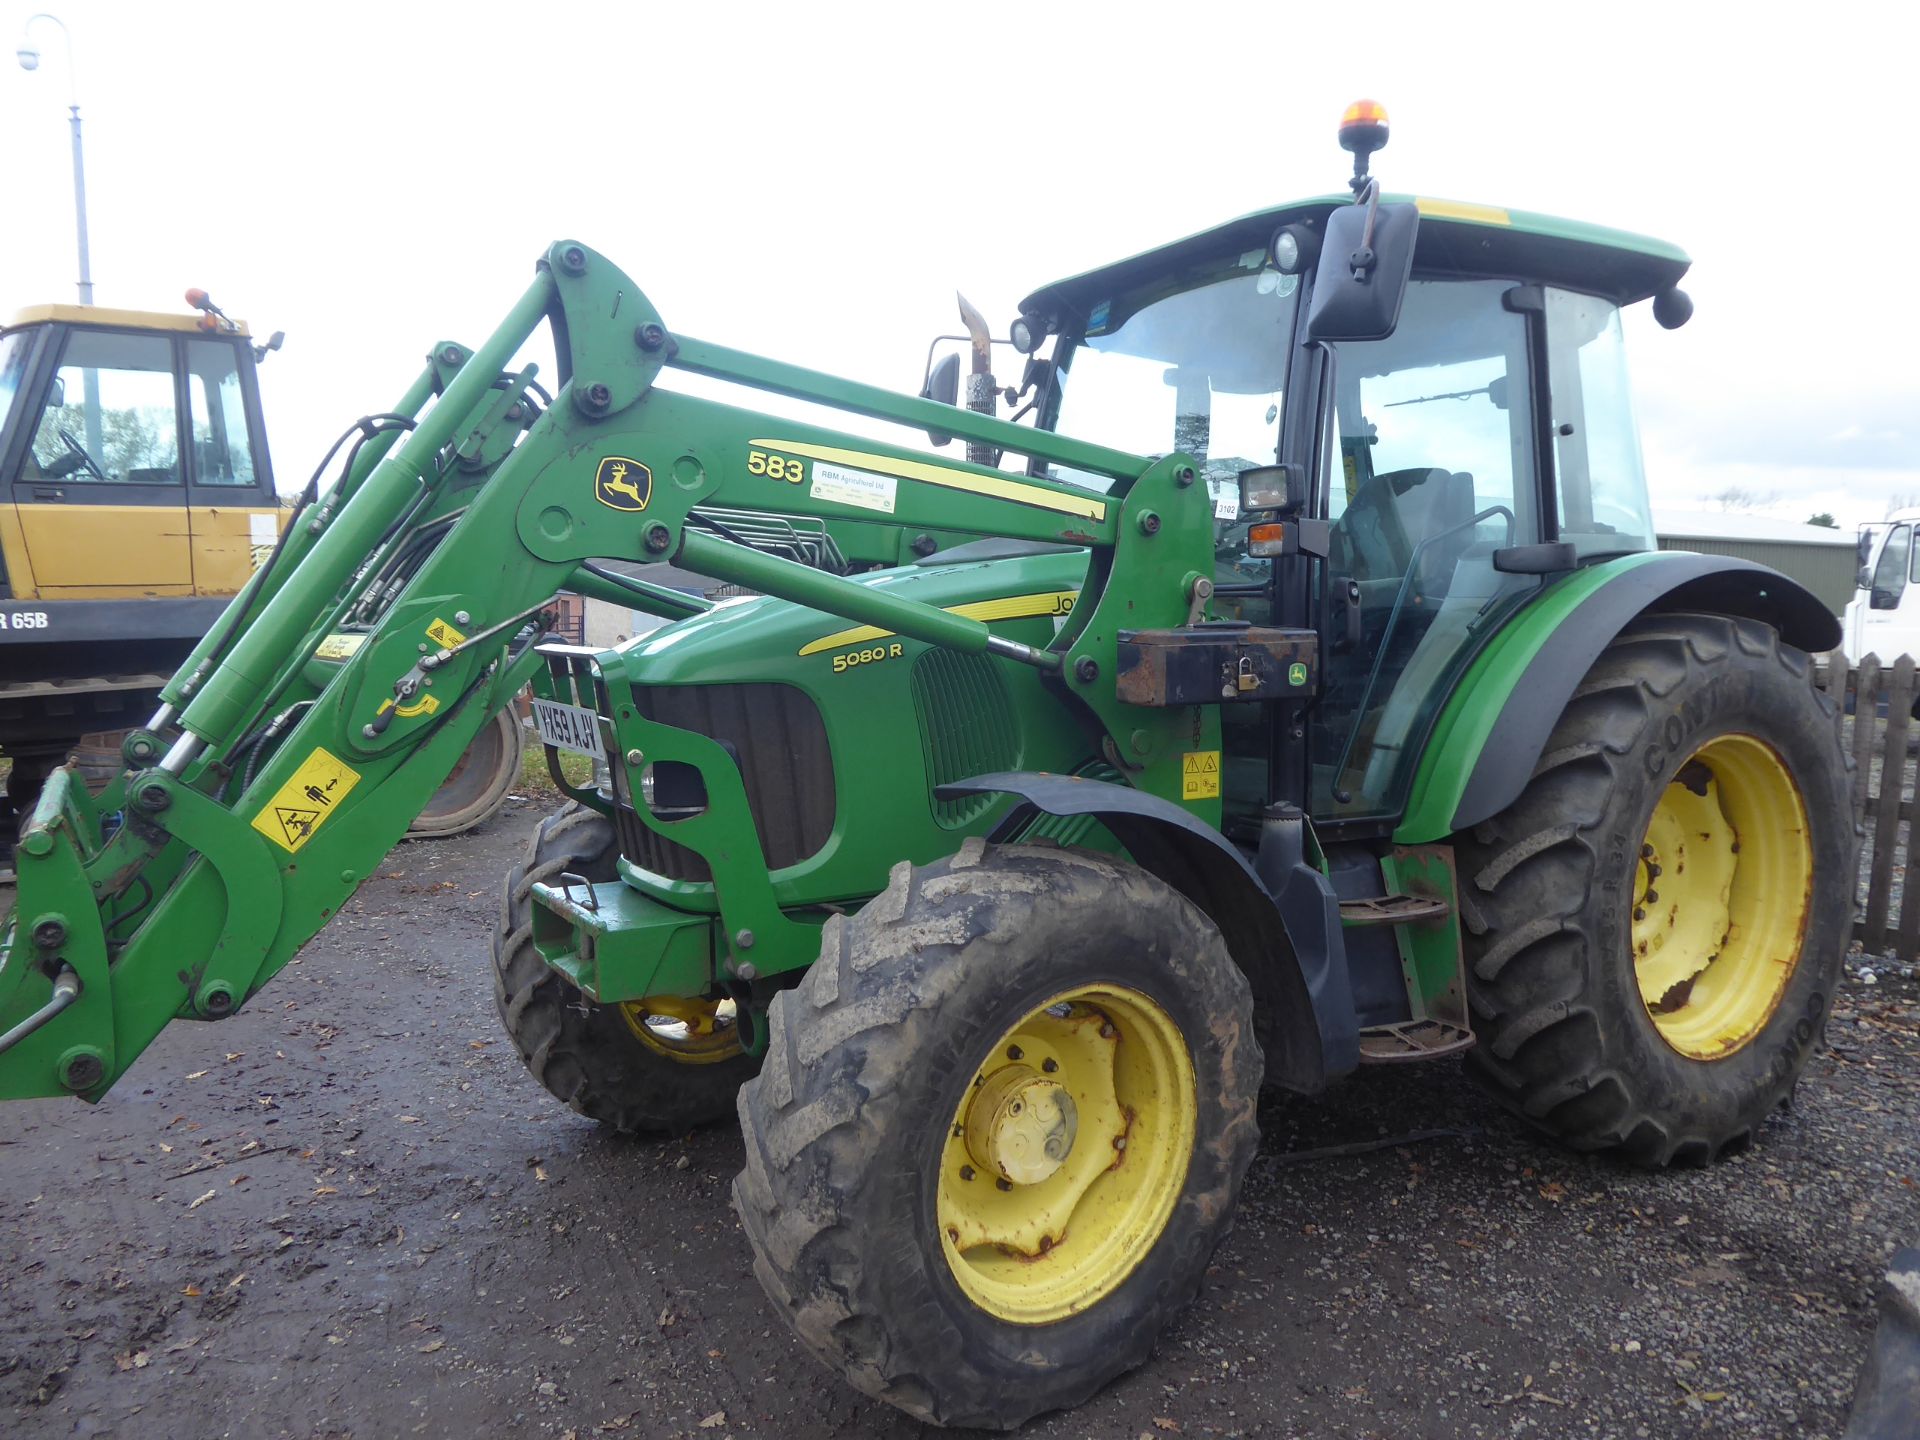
<point>1001,1129</point>
<point>660,1067</point>
<point>1695,759</point>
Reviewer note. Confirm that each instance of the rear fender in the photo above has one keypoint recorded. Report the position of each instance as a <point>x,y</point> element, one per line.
<point>1482,750</point>
<point>1289,946</point>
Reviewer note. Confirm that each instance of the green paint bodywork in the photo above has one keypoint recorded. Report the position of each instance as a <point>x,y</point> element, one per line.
<point>1483,691</point>
<point>616,944</point>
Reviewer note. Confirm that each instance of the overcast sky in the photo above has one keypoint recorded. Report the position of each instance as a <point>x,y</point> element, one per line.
<point>814,181</point>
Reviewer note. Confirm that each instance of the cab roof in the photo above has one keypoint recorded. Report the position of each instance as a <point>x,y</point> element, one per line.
<point>1456,237</point>
<point>117,319</point>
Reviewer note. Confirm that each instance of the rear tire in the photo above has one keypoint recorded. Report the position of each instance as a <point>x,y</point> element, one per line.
<point>1600,1015</point>
<point>587,1054</point>
<point>478,786</point>
<point>857,1178</point>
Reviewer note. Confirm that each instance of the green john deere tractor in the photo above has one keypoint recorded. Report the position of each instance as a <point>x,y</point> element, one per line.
<point>1325,704</point>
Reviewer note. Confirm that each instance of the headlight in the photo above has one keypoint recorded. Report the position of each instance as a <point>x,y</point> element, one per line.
<point>673,790</point>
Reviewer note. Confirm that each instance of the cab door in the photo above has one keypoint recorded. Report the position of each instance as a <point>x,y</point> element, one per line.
<point>233,513</point>
<point>100,493</point>
<point>1889,622</point>
<point>1432,433</point>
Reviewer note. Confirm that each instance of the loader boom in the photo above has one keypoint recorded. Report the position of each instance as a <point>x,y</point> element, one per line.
<point>269,787</point>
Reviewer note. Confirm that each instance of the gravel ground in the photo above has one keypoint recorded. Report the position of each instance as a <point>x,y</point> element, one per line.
<point>349,1212</point>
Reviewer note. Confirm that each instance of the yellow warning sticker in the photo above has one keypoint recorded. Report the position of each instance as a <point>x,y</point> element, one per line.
<point>302,805</point>
<point>444,635</point>
<point>425,705</point>
<point>339,647</point>
<point>1200,775</point>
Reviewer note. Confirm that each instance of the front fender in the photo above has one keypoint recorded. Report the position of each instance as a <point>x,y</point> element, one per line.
<point>1290,946</point>
<point>1486,742</point>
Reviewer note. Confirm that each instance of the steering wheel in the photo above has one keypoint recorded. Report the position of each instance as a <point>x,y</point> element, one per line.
<point>72,442</point>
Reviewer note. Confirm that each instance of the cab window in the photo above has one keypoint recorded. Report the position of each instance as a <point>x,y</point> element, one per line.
<point>111,416</point>
<point>1890,573</point>
<point>222,454</point>
<point>1603,488</point>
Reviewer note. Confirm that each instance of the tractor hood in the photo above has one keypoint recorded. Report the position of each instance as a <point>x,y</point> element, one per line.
<point>761,638</point>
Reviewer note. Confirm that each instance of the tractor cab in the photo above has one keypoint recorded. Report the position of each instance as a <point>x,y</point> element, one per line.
<point>133,460</point>
<point>1413,475</point>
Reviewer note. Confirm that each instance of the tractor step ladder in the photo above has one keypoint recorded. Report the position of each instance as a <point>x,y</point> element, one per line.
<point>1412,1040</point>
<point>1420,909</point>
<point>1393,910</point>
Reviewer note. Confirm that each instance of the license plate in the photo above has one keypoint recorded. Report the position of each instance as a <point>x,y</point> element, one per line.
<point>569,727</point>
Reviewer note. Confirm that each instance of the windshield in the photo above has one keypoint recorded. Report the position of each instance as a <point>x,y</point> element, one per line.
<point>1199,370</point>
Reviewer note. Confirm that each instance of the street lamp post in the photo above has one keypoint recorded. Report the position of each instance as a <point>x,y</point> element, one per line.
<point>29,57</point>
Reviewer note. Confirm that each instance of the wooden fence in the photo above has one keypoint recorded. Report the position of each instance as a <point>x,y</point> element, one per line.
<point>1878,726</point>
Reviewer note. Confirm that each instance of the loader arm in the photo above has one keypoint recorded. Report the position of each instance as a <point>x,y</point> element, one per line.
<point>269,786</point>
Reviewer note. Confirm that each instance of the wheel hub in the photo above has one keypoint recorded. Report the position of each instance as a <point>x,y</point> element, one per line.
<point>1021,1125</point>
<point>1066,1155</point>
<point>1721,894</point>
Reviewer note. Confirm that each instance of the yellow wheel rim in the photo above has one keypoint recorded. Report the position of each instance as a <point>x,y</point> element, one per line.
<point>1066,1156</point>
<point>1721,893</point>
<point>694,1032</point>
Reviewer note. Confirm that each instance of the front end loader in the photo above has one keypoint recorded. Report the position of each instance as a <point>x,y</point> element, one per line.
<point>1331,706</point>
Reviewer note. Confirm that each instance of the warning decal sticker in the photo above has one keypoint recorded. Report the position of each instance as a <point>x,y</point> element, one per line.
<point>302,805</point>
<point>1200,775</point>
<point>444,635</point>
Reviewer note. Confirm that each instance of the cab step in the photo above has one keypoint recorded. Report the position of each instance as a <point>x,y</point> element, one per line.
<point>1393,910</point>
<point>1412,1040</point>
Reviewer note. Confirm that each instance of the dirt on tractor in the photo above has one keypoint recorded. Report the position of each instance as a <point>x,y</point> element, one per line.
<point>351,1212</point>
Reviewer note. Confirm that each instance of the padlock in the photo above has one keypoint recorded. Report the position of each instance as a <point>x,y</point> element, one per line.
<point>1246,680</point>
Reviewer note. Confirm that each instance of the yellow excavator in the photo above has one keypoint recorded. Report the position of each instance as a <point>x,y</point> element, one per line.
<point>136,497</point>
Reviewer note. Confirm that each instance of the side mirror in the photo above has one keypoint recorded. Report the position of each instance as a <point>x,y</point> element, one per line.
<point>1361,279</point>
<point>1863,580</point>
<point>943,385</point>
<point>57,394</point>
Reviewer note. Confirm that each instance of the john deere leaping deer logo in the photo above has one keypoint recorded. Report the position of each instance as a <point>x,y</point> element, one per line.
<point>622,483</point>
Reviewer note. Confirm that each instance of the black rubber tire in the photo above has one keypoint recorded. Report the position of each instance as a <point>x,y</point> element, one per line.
<point>1546,889</point>
<point>876,1047</point>
<point>585,1053</point>
<point>478,786</point>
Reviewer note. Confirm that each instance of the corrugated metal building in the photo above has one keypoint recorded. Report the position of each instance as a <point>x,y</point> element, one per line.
<point>1822,560</point>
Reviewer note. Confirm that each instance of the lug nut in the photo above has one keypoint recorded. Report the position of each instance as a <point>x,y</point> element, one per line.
<point>1049,1065</point>
<point>1004,1183</point>
<point>1014,1052</point>
<point>966,1172</point>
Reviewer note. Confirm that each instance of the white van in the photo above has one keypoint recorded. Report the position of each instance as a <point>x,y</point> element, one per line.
<point>1883,618</point>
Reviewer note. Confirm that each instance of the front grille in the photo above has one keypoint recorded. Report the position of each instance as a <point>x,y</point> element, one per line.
<point>781,741</point>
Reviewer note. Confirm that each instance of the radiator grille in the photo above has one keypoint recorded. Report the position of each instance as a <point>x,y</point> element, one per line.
<point>781,742</point>
<point>966,727</point>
